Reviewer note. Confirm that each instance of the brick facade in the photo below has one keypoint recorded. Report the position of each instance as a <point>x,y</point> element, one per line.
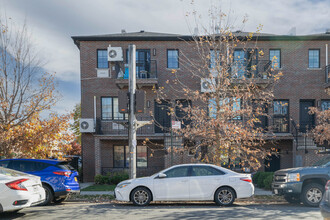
<point>298,83</point>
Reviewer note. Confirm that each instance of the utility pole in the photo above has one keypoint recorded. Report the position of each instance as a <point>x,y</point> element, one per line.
<point>132,119</point>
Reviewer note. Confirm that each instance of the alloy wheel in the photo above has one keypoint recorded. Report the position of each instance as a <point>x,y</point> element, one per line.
<point>314,195</point>
<point>141,197</point>
<point>225,196</point>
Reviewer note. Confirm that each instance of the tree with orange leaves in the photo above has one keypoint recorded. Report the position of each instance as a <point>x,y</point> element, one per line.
<point>26,91</point>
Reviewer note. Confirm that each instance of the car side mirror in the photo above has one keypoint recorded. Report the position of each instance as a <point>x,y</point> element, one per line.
<point>162,175</point>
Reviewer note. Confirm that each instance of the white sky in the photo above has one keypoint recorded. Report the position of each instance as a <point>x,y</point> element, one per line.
<point>53,22</point>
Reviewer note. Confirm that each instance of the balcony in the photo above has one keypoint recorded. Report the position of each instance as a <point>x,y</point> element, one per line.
<point>260,71</point>
<point>117,130</point>
<point>146,75</point>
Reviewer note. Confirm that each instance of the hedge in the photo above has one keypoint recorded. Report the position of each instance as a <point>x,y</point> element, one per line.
<point>111,178</point>
<point>263,179</point>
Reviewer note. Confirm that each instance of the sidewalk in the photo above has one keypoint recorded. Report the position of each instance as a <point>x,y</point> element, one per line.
<point>262,192</point>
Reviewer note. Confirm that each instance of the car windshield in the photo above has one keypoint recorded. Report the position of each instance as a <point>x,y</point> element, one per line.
<point>323,161</point>
<point>9,172</point>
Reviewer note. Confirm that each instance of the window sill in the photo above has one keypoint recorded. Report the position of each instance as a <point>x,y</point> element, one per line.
<point>170,69</point>
<point>314,68</point>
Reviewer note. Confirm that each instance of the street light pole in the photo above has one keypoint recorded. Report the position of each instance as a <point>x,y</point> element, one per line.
<point>132,119</point>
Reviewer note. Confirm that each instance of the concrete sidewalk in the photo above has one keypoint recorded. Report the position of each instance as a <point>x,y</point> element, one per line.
<point>262,192</point>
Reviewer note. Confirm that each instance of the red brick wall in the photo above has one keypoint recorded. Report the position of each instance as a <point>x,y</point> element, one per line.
<point>298,82</point>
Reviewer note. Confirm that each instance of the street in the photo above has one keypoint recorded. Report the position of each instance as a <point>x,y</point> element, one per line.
<point>113,210</point>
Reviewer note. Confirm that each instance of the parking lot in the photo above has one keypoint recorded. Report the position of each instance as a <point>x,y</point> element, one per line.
<point>201,210</point>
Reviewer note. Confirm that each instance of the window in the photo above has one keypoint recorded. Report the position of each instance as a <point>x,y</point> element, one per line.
<point>234,102</point>
<point>143,63</point>
<point>173,59</point>
<point>275,57</point>
<point>281,116</point>
<point>102,59</point>
<point>177,172</point>
<point>325,105</point>
<point>205,171</point>
<point>4,163</point>
<point>214,58</point>
<point>119,159</point>
<point>122,155</point>
<point>260,111</point>
<point>314,58</point>
<point>109,109</point>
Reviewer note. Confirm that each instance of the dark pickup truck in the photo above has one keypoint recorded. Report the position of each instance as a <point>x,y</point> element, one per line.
<point>303,184</point>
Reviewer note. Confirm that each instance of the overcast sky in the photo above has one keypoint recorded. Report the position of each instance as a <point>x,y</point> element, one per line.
<point>53,22</point>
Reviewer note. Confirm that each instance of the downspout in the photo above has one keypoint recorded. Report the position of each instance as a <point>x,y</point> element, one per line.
<point>326,64</point>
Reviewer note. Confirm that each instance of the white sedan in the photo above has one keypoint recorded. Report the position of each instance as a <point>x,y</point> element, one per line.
<point>187,182</point>
<point>19,190</point>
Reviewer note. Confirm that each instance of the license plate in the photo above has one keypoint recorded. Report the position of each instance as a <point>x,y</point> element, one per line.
<point>76,179</point>
<point>275,191</point>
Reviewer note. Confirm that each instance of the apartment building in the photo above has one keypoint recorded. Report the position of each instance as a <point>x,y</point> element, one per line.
<point>302,59</point>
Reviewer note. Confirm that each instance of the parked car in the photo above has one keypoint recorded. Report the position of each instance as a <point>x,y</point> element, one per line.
<point>19,190</point>
<point>58,178</point>
<point>187,182</point>
<point>325,203</point>
<point>303,184</point>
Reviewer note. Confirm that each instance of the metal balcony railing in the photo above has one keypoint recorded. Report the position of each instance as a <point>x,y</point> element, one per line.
<point>117,127</point>
<point>144,70</point>
<point>260,69</point>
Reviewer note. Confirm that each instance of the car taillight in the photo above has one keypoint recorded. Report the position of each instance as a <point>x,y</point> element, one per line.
<point>246,179</point>
<point>63,173</point>
<point>17,184</point>
<point>327,185</point>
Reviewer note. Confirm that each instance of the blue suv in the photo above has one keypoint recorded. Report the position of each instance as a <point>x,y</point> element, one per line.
<point>58,178</point>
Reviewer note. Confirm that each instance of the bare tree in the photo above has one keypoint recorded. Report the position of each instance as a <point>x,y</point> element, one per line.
<point>224,120</point>
<point>24,89</point>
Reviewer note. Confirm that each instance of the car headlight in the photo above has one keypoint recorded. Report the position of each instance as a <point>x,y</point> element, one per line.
<point>122,185</point>
<point>294,177</point>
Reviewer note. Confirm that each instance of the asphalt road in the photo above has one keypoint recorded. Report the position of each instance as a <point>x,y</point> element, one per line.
<point>80,210</point>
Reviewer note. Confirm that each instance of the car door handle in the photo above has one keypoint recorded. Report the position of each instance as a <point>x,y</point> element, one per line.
<point>183,181</point>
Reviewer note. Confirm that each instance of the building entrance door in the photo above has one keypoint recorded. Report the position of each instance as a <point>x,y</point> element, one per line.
<point>307,121</point>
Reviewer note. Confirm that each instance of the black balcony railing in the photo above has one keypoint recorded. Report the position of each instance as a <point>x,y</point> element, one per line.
<point>260,69</point>
<point>117,127</point>
<point>327,74</point>
<point>144,70</point>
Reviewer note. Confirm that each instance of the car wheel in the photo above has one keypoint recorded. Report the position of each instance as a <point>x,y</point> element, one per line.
<point>59,200</point>
<point>224,196</point>
<point>49,195</point>
<point>312,194</point>
<point>292,199</point>
<point>141,196</point>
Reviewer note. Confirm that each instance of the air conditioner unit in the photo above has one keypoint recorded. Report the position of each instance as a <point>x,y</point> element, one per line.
<point>207,85</point>
<point>115,53</point>
<point>87,125</point>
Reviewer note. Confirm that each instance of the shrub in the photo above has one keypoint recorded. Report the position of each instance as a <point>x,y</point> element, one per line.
<point>262,177</point>
<point>117,177</point>
<point>268,181</point>
<point>100,179</point>
<point>255,177</point>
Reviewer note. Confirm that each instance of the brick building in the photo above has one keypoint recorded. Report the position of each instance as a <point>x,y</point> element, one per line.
<point>302,59</point>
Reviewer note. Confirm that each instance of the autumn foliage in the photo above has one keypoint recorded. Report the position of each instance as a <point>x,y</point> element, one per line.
<point>26,91</point>
<point>321,132</point>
